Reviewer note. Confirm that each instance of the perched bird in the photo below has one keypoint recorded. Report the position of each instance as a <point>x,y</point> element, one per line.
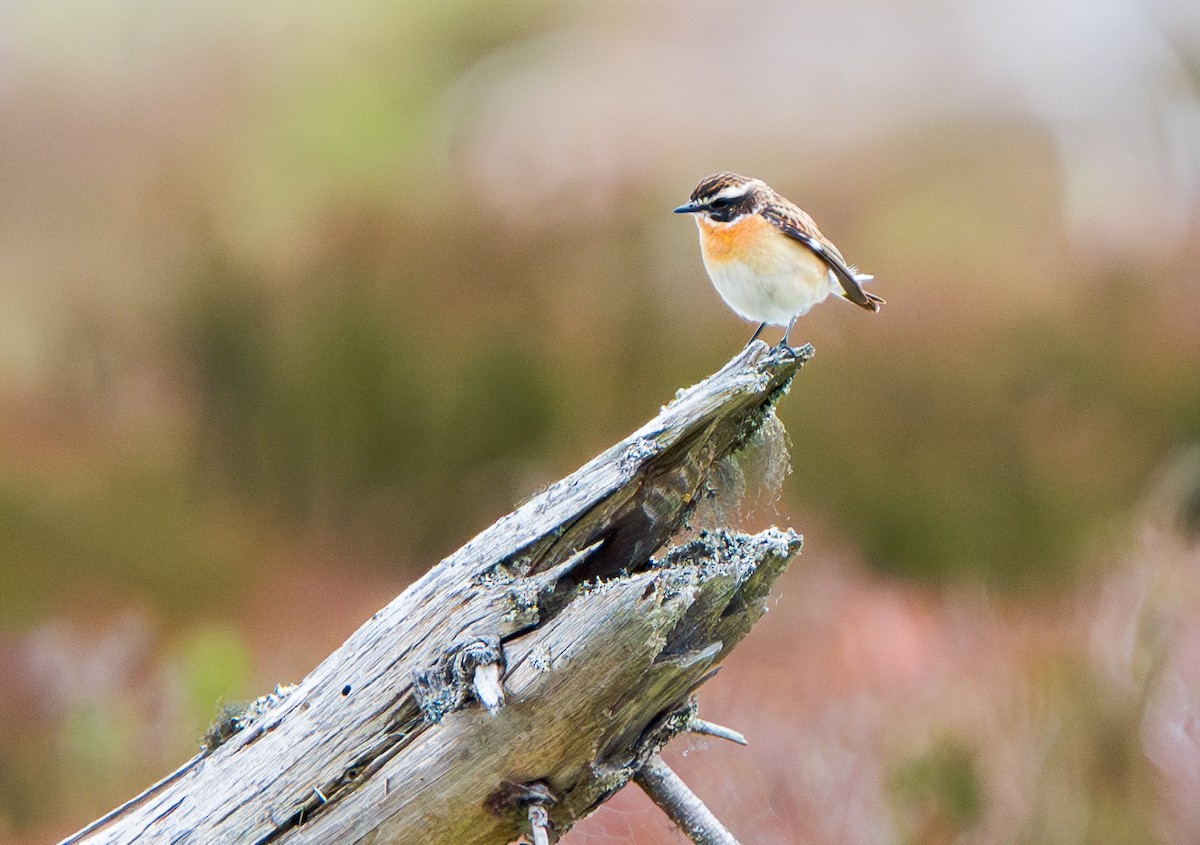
<point>765,256</point>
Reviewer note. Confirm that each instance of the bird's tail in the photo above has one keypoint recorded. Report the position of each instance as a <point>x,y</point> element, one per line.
<point>872,302</point>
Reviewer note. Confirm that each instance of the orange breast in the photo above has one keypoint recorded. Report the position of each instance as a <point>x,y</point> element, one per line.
<point>737,241</point>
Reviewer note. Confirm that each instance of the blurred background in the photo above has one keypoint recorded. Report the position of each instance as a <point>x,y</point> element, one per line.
<point>296,297</point>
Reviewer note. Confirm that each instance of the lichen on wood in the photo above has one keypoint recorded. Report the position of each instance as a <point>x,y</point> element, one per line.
<point>595,606</point>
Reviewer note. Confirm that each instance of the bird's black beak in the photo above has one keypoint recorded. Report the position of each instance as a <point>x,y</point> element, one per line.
<point>688,208</point>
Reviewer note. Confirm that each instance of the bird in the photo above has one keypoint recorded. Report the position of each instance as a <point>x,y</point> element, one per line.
<point>765,255</point>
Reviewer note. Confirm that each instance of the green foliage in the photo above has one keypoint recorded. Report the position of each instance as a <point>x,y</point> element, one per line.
<point>124,525</point>
<point>331,413</point>
<point>311,412</point>
<point>1000,461</point>
<point>1096,785</point>
<point>213,665</point>
<point>97,738</point>
<point>938,794</point>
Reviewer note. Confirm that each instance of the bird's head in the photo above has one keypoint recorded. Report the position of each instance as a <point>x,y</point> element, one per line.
<point>723,197</point>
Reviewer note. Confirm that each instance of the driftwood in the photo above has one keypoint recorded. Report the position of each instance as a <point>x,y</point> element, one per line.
<point>525,678</point>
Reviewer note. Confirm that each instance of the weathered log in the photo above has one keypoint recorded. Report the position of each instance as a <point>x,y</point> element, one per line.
<point>529,675</point>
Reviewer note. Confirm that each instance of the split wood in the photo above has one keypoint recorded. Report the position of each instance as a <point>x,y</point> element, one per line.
<point>524,679</point>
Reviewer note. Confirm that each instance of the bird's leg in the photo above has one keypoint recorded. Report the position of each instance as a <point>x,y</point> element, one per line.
<point>757,332</point>
<point>783,341</point>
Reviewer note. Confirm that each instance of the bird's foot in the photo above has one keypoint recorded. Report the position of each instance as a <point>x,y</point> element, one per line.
<point>785,348</point>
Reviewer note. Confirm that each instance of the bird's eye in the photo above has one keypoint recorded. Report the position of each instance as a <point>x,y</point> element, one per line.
<point>722,202</point>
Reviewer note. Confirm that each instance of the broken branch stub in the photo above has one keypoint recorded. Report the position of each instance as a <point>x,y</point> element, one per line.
<point>596,628</point>
<point>681,804</point>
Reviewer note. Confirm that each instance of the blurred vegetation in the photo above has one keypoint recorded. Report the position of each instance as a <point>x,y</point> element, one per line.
<point>323,414</point>
<point>1002,460</point>
<point>1094,764</point>
<point>939,792</point>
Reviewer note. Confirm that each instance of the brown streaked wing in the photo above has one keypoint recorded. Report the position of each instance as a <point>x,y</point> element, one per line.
<point>797,225</point>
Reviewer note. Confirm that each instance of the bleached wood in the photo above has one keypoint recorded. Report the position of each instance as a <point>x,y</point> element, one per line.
<point>681,805</point>
<point>701,726</point>
<point>602,647</point>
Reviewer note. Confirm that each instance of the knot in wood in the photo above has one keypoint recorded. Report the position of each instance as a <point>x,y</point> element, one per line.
<point>470,655</point>
<point>455,679</point>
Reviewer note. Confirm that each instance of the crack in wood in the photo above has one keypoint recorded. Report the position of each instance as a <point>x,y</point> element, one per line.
<point>605,645</point>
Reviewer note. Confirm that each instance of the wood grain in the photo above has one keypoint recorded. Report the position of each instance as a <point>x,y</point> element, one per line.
<point>602,624</point>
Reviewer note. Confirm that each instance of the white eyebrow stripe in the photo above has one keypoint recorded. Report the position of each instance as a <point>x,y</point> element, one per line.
<point>732,192</point>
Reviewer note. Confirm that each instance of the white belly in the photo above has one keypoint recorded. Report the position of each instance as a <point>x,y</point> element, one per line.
<point>775,289</point>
